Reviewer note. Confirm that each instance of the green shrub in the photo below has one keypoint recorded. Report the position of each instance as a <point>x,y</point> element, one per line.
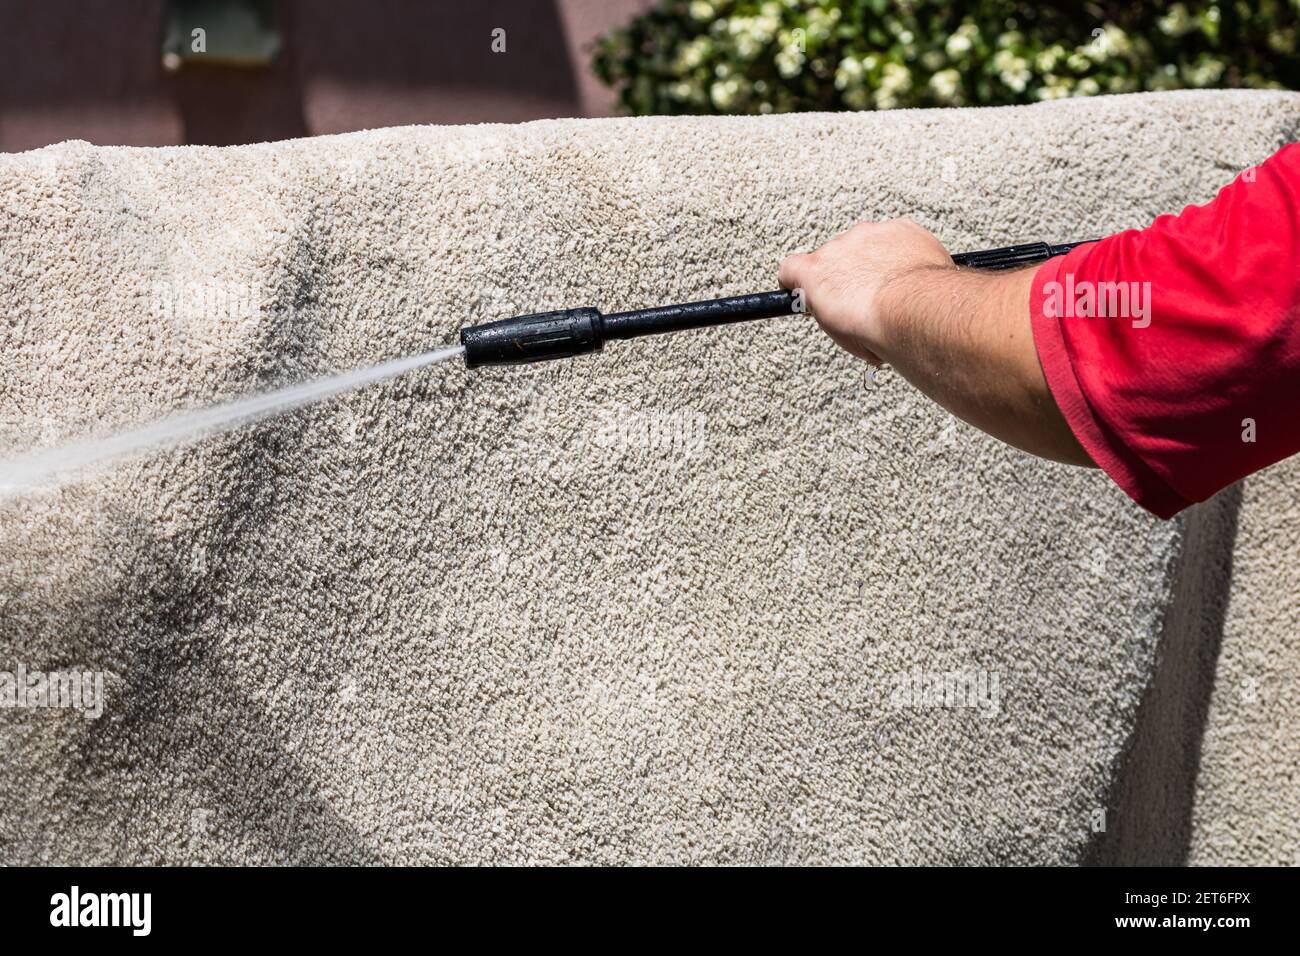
<point>776,56</point>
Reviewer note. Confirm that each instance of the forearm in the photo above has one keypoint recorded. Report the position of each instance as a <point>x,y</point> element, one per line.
<point>1182,379</point>
<point>890,292</point>
<point>964,339</point>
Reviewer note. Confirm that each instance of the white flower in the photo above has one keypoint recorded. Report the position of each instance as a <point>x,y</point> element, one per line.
<point>933,60</point>
<point>848,73</point>
<point>1078,62</point>
<point>681,91</point>
<point>1204,74</point>
<point>894,79</point>
<point>821,22</point>
<point>752,34</point>
<point>723,92</point>
<point>789,62</point>
<point>1112,41</point>
<point>946,84</point>
<point>961,41</point>
<point>1176,22</point>
<point>693,54</point>
<point>1047,60</point>
<point>1012,70</point>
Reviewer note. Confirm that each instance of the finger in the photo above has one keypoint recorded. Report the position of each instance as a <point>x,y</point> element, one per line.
<point>793,270</point>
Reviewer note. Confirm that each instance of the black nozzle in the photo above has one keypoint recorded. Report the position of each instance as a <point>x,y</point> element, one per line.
<point>569,332</point>
<point>533,338</point>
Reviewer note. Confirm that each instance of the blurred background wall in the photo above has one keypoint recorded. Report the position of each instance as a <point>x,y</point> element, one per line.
<point>130,73</point>
<point>94,69</point>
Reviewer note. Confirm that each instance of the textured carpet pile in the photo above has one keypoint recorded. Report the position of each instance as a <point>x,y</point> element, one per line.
<point>681,601</point>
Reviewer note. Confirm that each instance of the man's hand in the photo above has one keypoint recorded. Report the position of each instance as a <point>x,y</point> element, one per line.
<point>889,292</point>
<point>846,282</point>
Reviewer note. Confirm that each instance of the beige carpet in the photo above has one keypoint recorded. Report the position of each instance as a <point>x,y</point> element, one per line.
<point>657,605</point>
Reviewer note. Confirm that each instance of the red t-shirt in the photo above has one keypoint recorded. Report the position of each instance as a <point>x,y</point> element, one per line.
<point>1174,351</point>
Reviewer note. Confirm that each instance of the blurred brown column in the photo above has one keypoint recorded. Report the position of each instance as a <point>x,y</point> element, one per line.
<point>92,69</point>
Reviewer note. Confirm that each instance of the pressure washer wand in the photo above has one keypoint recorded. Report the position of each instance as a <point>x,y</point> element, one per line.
<point>569,332</point>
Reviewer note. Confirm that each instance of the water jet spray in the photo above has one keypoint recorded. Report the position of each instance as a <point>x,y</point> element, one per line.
<point>519,340</point>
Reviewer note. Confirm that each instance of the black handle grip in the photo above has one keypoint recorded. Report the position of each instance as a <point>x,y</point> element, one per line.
<point>698,315</point>
<point>766,305</point>
<point>1011,257</point>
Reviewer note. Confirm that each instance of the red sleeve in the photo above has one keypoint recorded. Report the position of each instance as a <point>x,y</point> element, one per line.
<point>1174,351</point>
